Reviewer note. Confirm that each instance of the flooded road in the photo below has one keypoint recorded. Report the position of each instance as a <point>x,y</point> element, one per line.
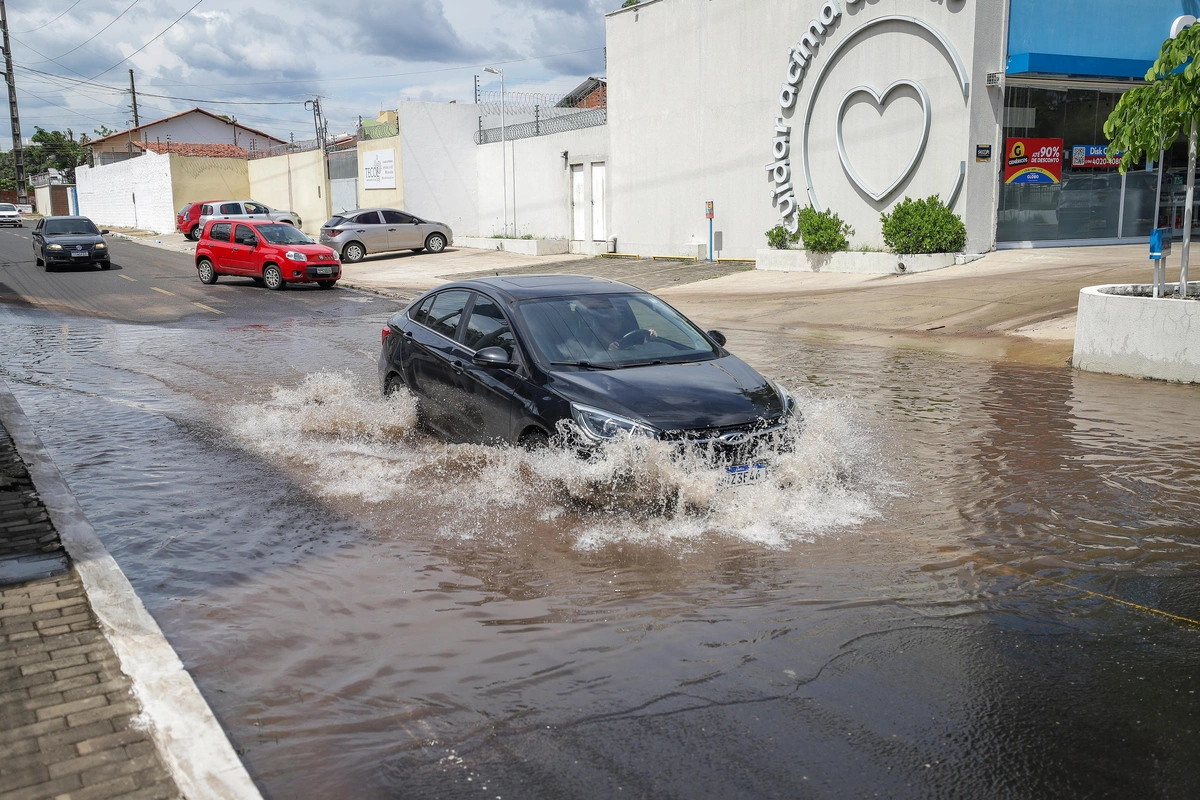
<point>970,579</point>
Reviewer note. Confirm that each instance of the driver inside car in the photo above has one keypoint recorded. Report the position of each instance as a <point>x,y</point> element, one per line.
<point>616,334</point>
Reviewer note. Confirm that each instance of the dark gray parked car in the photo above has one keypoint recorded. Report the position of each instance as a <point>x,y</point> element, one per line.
<point>59,241</point>
<point>357,233</point>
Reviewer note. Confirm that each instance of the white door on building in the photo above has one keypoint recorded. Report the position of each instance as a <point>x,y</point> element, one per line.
<point>578,204</point>
<point>598,231</point>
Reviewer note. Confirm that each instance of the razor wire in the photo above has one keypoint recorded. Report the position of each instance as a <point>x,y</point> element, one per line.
<point>518,103</point>
<point>590,118</point>
<point>297,146</point>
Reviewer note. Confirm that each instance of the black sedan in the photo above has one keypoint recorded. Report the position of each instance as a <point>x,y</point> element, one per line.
<point>508,359</point>
<point>59,241</point>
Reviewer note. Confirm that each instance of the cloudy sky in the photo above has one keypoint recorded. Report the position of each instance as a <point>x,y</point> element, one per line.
<point>262,60</point>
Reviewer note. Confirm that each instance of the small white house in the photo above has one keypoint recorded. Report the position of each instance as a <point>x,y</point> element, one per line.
<point>196,126</point>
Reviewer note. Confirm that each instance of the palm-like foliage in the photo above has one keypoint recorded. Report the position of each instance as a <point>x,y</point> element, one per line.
<point>1149,117</point>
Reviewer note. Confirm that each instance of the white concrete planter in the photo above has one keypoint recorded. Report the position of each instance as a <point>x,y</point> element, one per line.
<point>852,262</point>
<point>1121,333</point>
<point>528,247</point>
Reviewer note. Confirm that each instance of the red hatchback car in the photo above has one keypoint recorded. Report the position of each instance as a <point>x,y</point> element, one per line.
<point>272,253</point>
<point>187,221</point>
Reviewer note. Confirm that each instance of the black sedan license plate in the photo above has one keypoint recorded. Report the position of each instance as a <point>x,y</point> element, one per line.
<point>79,254</point>
<point>324,270</point>
<point>743,475</point>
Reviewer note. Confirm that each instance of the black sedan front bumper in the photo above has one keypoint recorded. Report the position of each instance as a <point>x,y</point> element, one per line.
<point>63,257</point>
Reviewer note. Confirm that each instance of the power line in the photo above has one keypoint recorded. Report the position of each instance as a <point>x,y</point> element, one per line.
<point>97,33</point>
<point>56,105</point>
<point>56,19</point>
<point>152,41</point>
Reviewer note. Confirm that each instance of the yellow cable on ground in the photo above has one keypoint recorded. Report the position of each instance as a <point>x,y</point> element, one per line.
<point>1109,597</point>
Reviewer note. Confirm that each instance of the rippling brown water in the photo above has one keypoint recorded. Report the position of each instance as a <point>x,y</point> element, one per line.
<point>928,606</point>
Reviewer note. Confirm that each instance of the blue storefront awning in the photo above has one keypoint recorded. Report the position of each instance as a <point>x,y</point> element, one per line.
<point>1099,39</point>
<point>1082,66</point>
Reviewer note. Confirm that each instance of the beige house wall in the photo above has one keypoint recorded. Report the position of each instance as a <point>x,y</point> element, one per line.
<point>373,198</point>
<point>195,179</point>
<point>295,182</point>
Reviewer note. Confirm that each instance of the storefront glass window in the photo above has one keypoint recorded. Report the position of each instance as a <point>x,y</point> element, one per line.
<point>1084,199</point>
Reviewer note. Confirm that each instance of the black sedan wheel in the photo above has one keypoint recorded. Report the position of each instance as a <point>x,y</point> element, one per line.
<point>205,270</point>
<point>436,243</point>
<point>353,253</point>
<point>105,265</point>
<point>273,278</point>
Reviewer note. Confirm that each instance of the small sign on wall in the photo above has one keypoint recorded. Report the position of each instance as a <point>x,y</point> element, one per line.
<point>379,169</point>
<point>983,152</point>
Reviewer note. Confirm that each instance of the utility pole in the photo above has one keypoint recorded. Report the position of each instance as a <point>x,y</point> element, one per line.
<point>317,120</point>
<point>133,94</point>
<point>18,151</point>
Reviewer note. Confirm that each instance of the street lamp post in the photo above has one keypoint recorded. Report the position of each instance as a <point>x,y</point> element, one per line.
<point>1176,29</point>
<point>503,146</point>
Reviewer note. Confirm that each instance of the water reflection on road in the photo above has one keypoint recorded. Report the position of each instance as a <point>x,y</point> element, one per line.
<point>374,614</point>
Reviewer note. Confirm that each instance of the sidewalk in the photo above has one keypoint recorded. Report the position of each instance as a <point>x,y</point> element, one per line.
<point>69,724</point>
<point>94,703</point>
<point>1009,305</point>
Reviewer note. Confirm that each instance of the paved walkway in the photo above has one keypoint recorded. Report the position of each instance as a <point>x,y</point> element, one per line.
<point>1010,305</point>
<point>68,722</point>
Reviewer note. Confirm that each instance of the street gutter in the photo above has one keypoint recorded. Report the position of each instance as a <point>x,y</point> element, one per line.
<point>191,742</point>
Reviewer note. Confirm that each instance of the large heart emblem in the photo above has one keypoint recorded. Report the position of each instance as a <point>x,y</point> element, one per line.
<point>880,100</point>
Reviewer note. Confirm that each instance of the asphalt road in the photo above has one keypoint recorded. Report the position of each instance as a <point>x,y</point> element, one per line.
<point>151,285</point>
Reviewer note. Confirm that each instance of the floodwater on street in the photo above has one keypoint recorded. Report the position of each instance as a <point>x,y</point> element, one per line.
<point>968,579</point>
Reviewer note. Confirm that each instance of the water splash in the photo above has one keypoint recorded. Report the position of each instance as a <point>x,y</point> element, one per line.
<point>348,443</point>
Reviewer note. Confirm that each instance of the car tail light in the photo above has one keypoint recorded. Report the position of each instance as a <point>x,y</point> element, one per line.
<point>387,331</point>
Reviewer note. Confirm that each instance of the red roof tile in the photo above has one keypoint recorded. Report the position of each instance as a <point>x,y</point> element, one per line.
<point>193,149</point>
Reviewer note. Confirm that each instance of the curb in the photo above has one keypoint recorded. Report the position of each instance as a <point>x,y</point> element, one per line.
<point>191,742</point>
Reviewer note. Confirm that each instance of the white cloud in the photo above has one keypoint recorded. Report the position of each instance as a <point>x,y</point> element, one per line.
<point>234,51</point>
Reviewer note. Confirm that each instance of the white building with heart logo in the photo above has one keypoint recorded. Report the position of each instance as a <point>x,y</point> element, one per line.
<point>764,107</point>
<point>768,106</point>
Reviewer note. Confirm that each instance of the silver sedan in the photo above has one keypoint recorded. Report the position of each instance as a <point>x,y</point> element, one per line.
<point>357,233</point>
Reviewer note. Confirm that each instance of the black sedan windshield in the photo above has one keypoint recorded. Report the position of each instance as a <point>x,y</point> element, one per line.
<point>70,227</point>
<point>283,234</point>
<point>610,331</point>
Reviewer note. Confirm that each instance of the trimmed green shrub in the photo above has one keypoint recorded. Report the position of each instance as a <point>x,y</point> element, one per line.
<point>824,231</point>
<point>780,238</point>
<point>923,226</point>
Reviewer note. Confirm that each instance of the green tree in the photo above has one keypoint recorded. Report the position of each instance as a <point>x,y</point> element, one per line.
<point>49,150</point>
<point>1148,117</point>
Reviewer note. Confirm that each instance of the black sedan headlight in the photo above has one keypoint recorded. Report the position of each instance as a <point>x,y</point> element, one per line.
<point>602,426</point>
<point>785,397</point>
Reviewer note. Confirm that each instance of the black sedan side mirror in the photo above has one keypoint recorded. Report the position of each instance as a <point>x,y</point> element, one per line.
<point>717,337</point>
<point>492,357</point>
<point>104,232</point>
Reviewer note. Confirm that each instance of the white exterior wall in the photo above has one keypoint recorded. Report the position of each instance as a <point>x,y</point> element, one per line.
<point>41,199</point>
<point>539,182</point>
<point>694,94</point>
<point>130,194</point>
<point>199,129</point>
<point>438,163</point>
